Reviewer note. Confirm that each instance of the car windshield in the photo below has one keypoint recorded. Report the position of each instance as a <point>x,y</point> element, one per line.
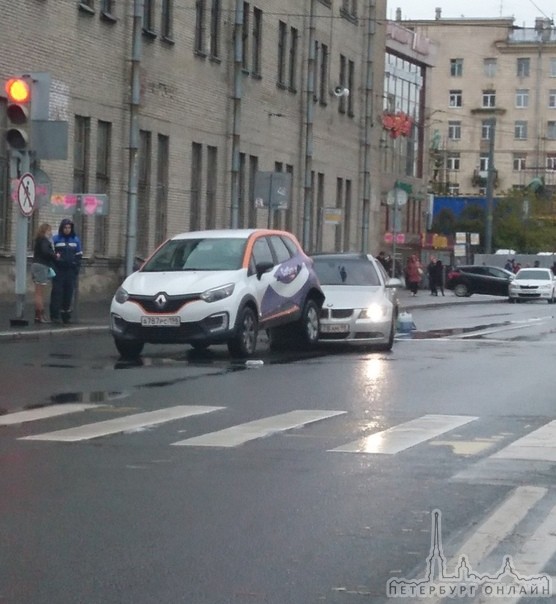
<point>346,271</point>
<point>203,254</point>
<point>533,274</point>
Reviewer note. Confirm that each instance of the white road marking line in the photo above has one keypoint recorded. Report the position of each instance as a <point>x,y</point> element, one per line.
<point>121,424</point>
<point>539,445</point>
<point>534,554</point>
<point>494,529</point>
<point>406,435</point>
<point>242,433</point>
<point>31,415</point>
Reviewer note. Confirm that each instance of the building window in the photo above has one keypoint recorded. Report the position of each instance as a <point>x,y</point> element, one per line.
<point>454,131</point>
<point>282,49</point>
<point>87,5</point>
<point>349,8</point>
<point>552,67</point>
<point>212,172</point>
<point>339,204</point>
<point>523,66</point>
<point>200,26</point>
<point>323,80</point>
<point>161,218</point>
<point>342,82</point>
<point>143,192</point>
<point>486,129</point>
<point>551,130</point>
<point>107,9</point>
<point>167,21</point>
<point>257,41</point>
<point>347,213</point>
<point>453,161</point>
<point>456,98</point>
<point>522,98</point>
<point>489,98</point>
<point>519,160</point>
<point>552,99</point>
<point>551,161</point>
<point>104,153</point>
<point>251,210</point>
<point>456,68</point>
<point>196,179</point>
<point>453,189</point>
<point>294,39</point>
<point>81,158</point>
<point>489,67</point>
<point>245,37</point>
<point>148,17</point>
<point>520,130</point>
<point>483,162</point>
<point>351,87</point>
<point>215,19</point>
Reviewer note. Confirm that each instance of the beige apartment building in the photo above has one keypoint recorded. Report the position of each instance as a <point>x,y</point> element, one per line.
<point>173,106</point>
<point>491,75</point>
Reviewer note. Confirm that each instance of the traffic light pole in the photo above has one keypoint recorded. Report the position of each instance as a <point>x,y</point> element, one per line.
<point>20,164</point>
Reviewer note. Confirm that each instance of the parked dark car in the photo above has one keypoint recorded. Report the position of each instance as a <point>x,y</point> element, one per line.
<point>468,280</point>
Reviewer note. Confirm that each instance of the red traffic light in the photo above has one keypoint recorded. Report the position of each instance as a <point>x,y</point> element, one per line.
<point>18,90</point>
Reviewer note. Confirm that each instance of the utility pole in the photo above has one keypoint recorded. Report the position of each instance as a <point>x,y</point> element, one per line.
<point>490,187</point>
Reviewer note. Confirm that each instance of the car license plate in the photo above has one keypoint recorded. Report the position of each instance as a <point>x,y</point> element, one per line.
<point>161,321</point>
<point>335,328</point>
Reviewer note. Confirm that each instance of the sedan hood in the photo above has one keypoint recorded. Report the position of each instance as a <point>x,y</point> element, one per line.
<point>177,283</point>
<point>348,296</point>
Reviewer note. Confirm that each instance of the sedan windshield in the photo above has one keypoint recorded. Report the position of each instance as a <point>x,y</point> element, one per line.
<point>533,274</point>
<point>346,271</point>
<point>208,254</point>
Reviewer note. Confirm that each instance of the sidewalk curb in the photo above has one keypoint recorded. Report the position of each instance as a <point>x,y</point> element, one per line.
<point>35,334</point>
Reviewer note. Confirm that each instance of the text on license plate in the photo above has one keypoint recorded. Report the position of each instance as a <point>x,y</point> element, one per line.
<point>332,328</point>
<point>161,321</point>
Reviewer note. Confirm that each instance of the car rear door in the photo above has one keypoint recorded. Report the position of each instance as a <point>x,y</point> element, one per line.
<point>500,281</point>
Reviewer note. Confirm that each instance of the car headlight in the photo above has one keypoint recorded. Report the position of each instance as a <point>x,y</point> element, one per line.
<point>375,312</point>
<point>547,286</point>
<point>121,295</point>
<point>218,293</point>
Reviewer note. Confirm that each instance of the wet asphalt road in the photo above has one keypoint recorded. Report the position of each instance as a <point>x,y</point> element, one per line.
<point>285,518</point>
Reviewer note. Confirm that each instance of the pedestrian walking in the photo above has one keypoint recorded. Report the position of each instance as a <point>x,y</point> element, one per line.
<point>414,273</point>
<point>439,277</point>
<point>41,268</point>
<point>431,272</point>
<point>67,247</point>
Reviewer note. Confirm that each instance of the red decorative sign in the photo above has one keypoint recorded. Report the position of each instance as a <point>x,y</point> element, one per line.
<point>397,124</point>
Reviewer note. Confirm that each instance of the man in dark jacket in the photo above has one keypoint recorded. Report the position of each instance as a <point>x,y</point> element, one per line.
<point>67,247</point>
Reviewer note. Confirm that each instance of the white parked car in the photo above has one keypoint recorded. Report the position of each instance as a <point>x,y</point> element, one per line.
<point>361,301</point>
<point>533,284</point>
<point>221,286</point>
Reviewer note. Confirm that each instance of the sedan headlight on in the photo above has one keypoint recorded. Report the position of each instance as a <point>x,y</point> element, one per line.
<point>121,295</point>
<point>218,293</point>
<point>375,312</point>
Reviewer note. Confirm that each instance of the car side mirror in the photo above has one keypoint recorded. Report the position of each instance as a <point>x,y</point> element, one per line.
<point>393,282</point>
<point>263,267</point>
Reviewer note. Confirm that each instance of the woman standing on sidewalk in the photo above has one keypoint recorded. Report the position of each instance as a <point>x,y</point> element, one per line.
<point>41,268</point>
<point>414,273</point>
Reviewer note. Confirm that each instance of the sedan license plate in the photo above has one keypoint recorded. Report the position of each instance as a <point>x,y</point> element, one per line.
<point>161,321</point>
<point>335,328</point>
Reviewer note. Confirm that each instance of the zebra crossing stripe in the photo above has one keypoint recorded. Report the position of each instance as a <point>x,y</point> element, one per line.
<point>31,415</point>
<point>406,435</point>
<point>539,445</point>
<point>122,424</point>
<point>242,433</point>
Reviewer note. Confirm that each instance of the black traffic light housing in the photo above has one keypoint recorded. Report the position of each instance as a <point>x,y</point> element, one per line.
<point>18,111</point>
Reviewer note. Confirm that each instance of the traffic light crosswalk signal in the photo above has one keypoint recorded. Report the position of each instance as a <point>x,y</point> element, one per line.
<point>18,111</point>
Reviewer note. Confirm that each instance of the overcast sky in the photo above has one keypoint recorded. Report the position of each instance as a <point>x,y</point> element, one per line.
<point>524,11</point>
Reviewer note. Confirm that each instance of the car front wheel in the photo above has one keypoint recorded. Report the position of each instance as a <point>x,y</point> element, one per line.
<point>129,349</point>
<point>244,342</point>
<point>309,325</point>
<point>461,290</point>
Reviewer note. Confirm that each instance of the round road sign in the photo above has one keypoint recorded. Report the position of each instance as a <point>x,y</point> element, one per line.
<point>26,194</point>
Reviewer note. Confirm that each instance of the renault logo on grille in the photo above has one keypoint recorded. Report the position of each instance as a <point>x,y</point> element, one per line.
<point>160,300</point>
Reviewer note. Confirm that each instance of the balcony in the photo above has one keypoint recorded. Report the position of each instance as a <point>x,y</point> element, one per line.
<point>480,178</point>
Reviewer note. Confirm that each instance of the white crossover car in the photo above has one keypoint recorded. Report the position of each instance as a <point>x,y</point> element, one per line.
<point>533,284</point>
<point>221,286</point>
<point>361,301</point>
